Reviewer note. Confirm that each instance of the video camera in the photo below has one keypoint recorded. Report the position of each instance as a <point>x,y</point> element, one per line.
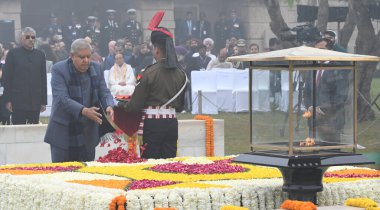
<point>302,34</point>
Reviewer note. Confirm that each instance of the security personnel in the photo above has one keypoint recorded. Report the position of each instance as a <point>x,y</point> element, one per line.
<point>110,31</point>
<point>92,30</point>
<point>132,29</point>
<point>53,29</point>
<point>72,31</point>
<point>160,93</point>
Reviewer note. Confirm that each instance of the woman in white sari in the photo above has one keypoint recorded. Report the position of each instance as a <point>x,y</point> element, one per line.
<point>121,79</point>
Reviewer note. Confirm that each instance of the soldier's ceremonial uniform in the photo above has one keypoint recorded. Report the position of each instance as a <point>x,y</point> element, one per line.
<point>159,94</point>
<point>110,31</point>
<point>132,29</point>
<point>91,30</point>
<point>72,31</point>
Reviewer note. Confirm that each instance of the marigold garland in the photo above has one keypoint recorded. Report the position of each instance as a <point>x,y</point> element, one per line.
<point>229,207</point>
<point>132,144</point>
<point>112,183</point>
<point>361,202</point>
<point>118,203</point>
<point>298,205</point>
<point>24,172</point>
<point>353,173</point>
<point>65,164</point>
<point>209,124</point>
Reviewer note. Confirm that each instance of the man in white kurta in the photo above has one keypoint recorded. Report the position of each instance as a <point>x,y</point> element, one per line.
<point>121,79</point>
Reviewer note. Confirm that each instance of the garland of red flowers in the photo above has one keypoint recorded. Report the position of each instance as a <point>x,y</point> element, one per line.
<point>209,124</point>
<point>298,205</point>
<point>218,167</point>
<point>118,203</point>
<point>120,155</point>
<point>146,183</point>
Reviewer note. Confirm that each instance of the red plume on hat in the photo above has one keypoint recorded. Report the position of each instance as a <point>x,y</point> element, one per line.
<point>155,21</point>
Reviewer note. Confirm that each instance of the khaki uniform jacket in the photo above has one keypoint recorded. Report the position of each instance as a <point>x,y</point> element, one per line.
<point>156,87</point>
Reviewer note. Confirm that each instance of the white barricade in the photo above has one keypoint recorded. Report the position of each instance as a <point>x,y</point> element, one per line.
<point>204,81</point>
<point>241,91</point>
<point>225,86</point>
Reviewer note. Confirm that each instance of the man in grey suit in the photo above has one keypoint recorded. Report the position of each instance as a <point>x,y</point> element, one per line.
<point>78,90</point>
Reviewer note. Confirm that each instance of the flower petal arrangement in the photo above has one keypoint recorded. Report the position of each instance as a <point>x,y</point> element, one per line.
<point>176,183</point>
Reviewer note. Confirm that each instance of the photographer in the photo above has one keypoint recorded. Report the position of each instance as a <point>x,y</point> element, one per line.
<point>331,35</point>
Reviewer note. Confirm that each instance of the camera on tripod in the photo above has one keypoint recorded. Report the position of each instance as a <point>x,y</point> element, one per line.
<point>302,34</point>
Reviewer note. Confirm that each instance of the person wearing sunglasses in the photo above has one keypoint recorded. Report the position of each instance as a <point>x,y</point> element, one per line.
<point>24,79</point>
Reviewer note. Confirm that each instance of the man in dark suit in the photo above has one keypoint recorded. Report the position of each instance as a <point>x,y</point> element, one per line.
<point>188,28</point>
<point>79,92</point>
<point>204,27</point>
<point>24,80</point>
<point>222,31</point>
<point>236,26</point>
<point>331,95</point>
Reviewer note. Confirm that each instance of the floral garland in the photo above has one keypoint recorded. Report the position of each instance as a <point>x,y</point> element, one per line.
<point>229,207</point>
<point>118,203</point>
<point>361,202</point>
<point>143,184</point>
<point>116,184</point>
<point>298,205</point>
<point>209,124</point>
<point>132,145</point>
<point>353,173</point>
<point>217,167</point>
<point>120,155</point>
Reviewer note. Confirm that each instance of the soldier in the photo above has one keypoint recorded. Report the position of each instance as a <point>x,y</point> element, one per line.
<point>53,29</point>
<point>72,31</point>
<point>132,29</point>
<point>159,93</point>
<point>110,31</point>
<point>92,31</point>
<point>222,31</point>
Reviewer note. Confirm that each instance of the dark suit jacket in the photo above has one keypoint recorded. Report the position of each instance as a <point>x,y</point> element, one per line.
<point>236,29</point>
<point>204,29</point>
<point>331,95</point>
<point>184,30</point>
<point>24,79</point>
<point>65,109</point>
